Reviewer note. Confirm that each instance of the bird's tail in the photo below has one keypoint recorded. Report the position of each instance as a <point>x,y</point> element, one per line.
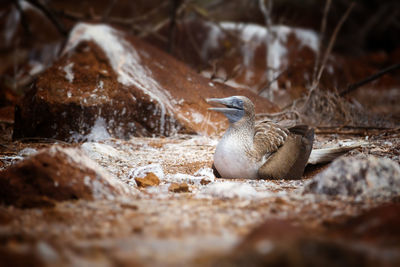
<point>325,155</point>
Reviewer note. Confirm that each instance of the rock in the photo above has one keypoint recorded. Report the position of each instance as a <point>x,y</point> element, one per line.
<point>179,188</point>
<point>108,82</point>
<point>378,226</point>
<point>205,181</point>
<point>281,243</point>
<point>358,176</point>
<point>28,151</point>
<point>19,255</point>
<point>240,55</point>
<point>142,171</point>
<point>227,189</point>
<point>149,180</point>
<point>57,174</point>
<point>201,174</point>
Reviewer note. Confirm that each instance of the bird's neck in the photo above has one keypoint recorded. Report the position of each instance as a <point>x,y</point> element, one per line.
<point>242,129</point>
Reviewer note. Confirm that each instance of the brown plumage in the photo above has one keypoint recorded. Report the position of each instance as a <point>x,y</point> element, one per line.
<point>289,157</point>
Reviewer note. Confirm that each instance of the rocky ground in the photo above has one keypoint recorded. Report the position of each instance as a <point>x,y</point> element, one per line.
<point>205,223</point>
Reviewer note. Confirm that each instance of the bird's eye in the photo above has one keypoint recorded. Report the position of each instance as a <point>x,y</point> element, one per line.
<point>238,103</point>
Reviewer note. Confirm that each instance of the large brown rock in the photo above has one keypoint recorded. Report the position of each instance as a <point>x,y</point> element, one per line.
<point>116,82</point>
<point>57,174</point>
<point>281,243</point>
<point>278,62</point>
<point>360,241</point>
<point>378,226</point>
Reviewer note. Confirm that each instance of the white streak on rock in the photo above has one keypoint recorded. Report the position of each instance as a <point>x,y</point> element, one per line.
<point>253,36</point>
<point>69,74</point>
<point>125,61</point>
<point>97,133</point>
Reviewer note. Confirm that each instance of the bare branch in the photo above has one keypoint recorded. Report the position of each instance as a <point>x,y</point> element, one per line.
<point>266,12</point>
<point>322,34</point>
<point>375,76</point>
<point>173,12</point>
<point>118,20</point>
<point>107,12</point>
<point>331,43</point>
<point>50,15</point>
<point>273,80</point>
<point>24,21</point>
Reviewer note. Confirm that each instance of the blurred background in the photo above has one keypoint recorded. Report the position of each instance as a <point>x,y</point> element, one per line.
<point>33,32</point>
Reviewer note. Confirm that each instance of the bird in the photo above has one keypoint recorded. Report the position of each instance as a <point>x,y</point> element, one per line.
<point>262,150</point>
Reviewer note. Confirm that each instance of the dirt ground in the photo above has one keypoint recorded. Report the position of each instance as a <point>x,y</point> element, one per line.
<point>160,228</point>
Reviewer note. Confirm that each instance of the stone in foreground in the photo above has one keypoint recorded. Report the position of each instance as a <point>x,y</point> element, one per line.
<point>149,180</point>
<point>350,243</point>
<point>358,176</point>
<point>179,188</point>
<point>57,174</point>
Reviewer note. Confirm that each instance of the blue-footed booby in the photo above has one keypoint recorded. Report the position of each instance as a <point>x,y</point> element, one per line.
<point>263,150</point>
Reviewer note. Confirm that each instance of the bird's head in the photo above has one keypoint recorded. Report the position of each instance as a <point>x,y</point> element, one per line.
<point>235,107</point>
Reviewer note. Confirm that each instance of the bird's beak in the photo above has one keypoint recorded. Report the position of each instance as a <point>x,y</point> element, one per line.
<point>227,102</point>
<point>233,109</point>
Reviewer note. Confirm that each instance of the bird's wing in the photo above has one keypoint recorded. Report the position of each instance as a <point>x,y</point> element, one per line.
<point>268,137</point>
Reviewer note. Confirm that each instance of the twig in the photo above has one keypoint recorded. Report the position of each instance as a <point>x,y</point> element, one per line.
<point>107,12</point>
<point>49,14</point>
<point>40,140</point>
<point>214,70</point>
<point>193,41</point>
<point>235,72</point>
<point>270,39</point>
<point>322,34</point>
<point>206,17</point>
<point>359,127</point>
<point>273,80</point>
<point>354,130</point>
<point>372,21</point>
<point>5,146</point>
<point>375,76</point>
<point>229,76</point>
<point>123,21</point>
<point>174,9</point>
<point>266,12</point>
<point>277,114</point>
<point>154,30</point>
<point>331,43</point>
<point>228,33</point>
<point>24,21</point>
